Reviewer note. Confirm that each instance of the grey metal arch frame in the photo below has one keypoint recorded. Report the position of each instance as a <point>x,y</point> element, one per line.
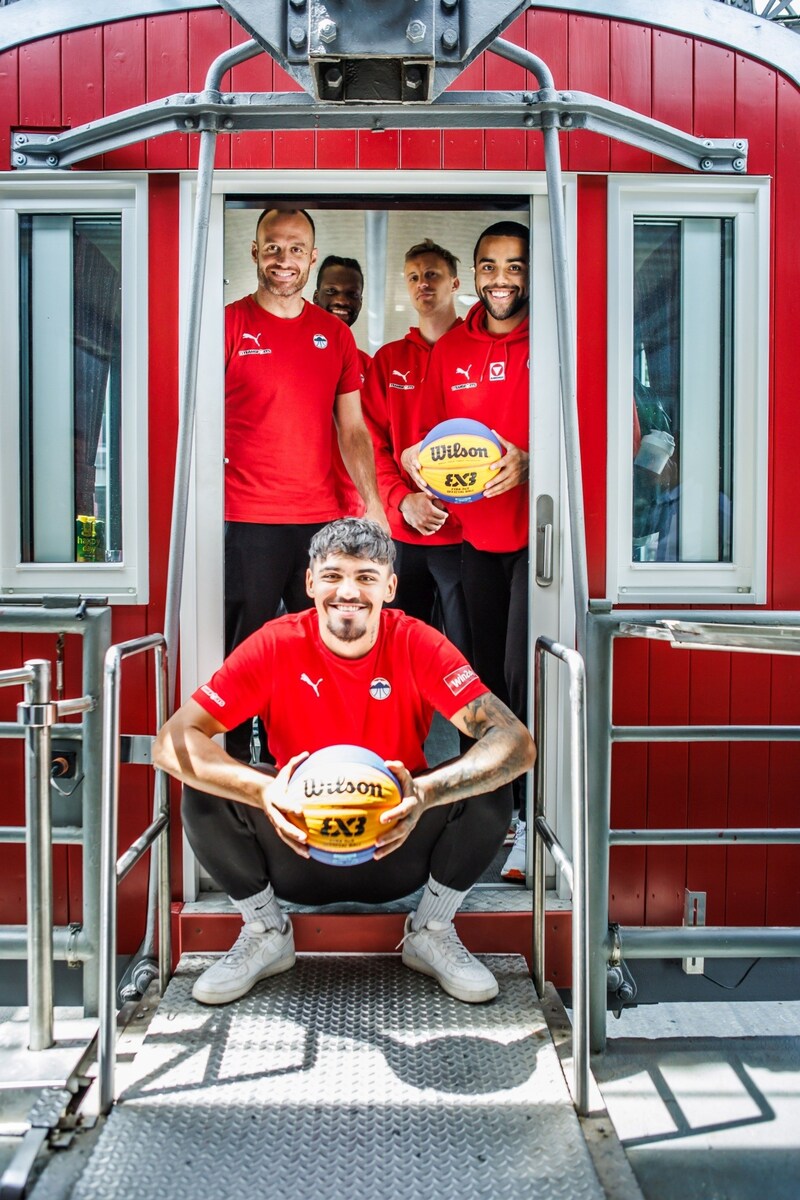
<point>757,36</point>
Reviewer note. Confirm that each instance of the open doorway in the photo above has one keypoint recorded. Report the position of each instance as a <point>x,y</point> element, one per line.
<point>376,227</point>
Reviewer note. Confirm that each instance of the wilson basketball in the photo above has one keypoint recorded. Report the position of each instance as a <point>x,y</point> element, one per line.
<point>343,791</point>
<point>456,459</point>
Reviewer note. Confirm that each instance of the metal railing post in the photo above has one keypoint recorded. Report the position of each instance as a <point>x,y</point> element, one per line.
<point>539,861</point>
<point>108,879</point>
<point>576,870</point>
<point>599,647</point>
<point>155,837</point>
<point>37,714</point>
<point>580,877</point>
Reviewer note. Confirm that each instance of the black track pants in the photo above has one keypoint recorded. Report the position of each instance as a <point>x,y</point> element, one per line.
<point>238,847</point>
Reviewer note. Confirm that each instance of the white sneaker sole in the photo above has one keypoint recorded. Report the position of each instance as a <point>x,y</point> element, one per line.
<point>458,992</point>
<point>218,997</point>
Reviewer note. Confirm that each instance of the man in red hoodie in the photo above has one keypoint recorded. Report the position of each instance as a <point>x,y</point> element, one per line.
<point>480,370</point>
<point>427,534</point>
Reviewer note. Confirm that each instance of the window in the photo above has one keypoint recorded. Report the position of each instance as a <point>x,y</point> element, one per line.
<point>687,392</point>
<point>74,420</point>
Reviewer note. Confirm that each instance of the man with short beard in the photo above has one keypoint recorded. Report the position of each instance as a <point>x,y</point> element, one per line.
<point>290,369</point>
<point>480,370</point>
<point>349,671</point>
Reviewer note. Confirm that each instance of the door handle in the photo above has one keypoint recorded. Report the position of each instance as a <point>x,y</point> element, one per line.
<point>544,540</point>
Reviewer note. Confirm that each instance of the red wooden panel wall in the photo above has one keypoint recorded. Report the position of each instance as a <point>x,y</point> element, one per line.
<point>703,88</point>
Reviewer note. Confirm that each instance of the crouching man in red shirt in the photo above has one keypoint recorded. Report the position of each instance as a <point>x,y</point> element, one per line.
<point>346,671</point>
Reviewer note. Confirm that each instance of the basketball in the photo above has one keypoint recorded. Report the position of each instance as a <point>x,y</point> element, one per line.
<point>343,791</point>
<point>456,459</point>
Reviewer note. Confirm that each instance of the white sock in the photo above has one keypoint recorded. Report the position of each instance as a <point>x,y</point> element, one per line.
<point>437,907</point>
<point>262,907</point>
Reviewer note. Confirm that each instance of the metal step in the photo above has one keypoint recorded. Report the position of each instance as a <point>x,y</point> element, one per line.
<point>349,1076</point>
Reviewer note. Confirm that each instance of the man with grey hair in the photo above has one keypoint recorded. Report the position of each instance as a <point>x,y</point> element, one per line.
<point>346,671</point>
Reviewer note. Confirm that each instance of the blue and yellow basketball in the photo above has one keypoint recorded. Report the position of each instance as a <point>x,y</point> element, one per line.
<point>343,790</point>
<point>456,459</point>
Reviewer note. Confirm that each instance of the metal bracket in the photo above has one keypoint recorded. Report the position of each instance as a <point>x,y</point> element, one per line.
<point>136,748</point>
<point>694,913</point>
<point>37,716</point>
<point>73,959</point>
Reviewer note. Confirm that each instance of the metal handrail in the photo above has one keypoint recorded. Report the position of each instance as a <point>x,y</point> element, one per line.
<point>113,870</point>
<point>575,871</point>
<point>609,945</point>
<point>37,715</point>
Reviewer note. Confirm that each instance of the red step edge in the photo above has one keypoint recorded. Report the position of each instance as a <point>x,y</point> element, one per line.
<point>380,933</point>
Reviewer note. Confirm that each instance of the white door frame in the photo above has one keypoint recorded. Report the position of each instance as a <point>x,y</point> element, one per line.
<point>201,626</point>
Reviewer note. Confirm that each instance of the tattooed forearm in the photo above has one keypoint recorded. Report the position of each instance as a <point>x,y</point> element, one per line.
<point>503,750</point>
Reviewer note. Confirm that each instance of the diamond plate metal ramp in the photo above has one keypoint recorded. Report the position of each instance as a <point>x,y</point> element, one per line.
<point>346,1077</point>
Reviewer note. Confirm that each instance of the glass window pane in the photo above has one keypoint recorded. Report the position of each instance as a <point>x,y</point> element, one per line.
<point>682,390</point>
<point>70,388</point>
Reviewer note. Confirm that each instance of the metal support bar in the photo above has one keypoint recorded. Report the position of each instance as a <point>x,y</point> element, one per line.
<point>566,339</point>
<point>710,941</point>
<point>16,675</point>
<point>559,854</point>
<point>598,712</point>
<point>70,944</point>
<point>67,835</point>
<point>13,729</point>
<point>705,733</point>
<point>110,870</point>
<point>578,795</point>
<point>188,399</point>
<point>703,837</point>
<point>127,861</point>
<point>38,860</point>
<point>239,112</point>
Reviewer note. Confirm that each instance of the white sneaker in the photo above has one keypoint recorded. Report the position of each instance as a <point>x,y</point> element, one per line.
<point>256,954</point>
<point>515,863</point>
<point>441,953</point>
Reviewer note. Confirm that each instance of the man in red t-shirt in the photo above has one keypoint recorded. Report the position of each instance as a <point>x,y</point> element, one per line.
<point>426,532</point>
<point>480,370</point>
<point>347,671</point>
<point>290,369</point>
<point>340,291</point>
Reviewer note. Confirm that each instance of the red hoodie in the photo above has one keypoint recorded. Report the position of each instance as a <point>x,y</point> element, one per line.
<point>473,373</point>
<point>394,412</point>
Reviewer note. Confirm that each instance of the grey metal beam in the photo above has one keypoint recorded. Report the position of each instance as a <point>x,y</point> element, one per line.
<point>758,38</point>
<point>705,733</point>
<point>703,837</point>
<point>237,112</point>
<point>708,941</point>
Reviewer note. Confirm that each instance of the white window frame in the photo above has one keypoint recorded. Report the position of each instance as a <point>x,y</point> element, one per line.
<point>746,202</point>
<point>126,582</point>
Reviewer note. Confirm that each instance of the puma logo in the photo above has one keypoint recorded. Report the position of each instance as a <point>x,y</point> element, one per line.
<point>315,686</point>
<point>402,376</point>
<point>254,337</point>
<point>462,371</point>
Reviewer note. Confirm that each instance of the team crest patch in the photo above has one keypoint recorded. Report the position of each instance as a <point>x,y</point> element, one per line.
<point>320,341</point>
<point>380,689</point>
<point>458,680</point>
<point>497,371</point>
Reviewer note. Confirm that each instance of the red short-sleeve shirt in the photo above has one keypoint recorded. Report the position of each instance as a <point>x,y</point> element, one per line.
<point>308,697</point>
<point>282,376</point>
